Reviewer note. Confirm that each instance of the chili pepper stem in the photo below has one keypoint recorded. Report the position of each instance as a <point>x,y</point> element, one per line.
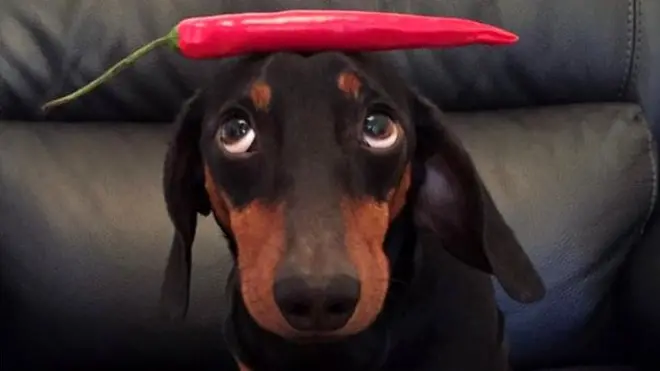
<point>114,70</point>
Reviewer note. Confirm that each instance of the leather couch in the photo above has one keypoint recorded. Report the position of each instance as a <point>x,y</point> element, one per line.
<point>563,127</point>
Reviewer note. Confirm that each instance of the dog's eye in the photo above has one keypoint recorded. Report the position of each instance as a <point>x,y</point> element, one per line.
<point>379,131</point>
<point>236,135</point>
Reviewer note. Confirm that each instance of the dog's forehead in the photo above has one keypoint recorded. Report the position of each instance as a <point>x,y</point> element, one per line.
<point>306,105</point>
<point>290,67</point>
<point>320,78</point>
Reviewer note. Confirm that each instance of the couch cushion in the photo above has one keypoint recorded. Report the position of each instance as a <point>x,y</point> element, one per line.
<point>645,72</point>
<point>85,235</point>
<point>570,51</point>
<point>577,184</point>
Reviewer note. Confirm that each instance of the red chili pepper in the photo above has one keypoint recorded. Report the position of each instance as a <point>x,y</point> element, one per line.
<point>308,31</point>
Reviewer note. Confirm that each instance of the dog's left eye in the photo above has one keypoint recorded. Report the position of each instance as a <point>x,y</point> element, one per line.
<point>379,131</point>
<point>236,135</point>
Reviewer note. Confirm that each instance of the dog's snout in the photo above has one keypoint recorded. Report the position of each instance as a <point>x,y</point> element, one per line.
<point>317,304</point>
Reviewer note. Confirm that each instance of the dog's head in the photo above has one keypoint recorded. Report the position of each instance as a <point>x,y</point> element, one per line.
<point>305,160</point>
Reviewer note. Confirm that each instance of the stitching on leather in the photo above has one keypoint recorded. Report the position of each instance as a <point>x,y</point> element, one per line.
<point>630,32</point>
<point>639,36</point>
<point>654,171</point>
<point>653,199</point>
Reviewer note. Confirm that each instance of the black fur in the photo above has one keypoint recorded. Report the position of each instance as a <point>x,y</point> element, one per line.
<point>440,312</point>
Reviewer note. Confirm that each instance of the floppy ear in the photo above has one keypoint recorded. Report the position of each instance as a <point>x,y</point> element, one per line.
<point>185,196</point>
<point>454,206</point>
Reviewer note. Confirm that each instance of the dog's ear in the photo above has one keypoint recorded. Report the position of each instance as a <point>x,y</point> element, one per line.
<point>457,210</point>
<point>185,197</point>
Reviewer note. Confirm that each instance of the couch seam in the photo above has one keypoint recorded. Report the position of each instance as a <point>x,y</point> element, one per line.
<point>628,58</point>
<point>639,37</point>
<point>60,77</point>
<point>653,199</point>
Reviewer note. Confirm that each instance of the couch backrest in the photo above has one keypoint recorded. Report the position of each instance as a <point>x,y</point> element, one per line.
<point>569,52</point>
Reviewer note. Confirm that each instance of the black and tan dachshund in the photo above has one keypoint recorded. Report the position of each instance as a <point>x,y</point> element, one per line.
<point>362,236</point>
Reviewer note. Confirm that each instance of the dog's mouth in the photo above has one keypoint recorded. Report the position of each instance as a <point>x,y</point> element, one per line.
<point>374,348</point>
<point>316,338</point>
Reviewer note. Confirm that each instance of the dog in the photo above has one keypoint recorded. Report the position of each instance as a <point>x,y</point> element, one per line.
<point>362,235</point>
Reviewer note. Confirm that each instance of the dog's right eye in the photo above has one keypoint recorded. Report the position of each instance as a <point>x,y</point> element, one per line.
<point>236,135</point>
<point>379,131</point>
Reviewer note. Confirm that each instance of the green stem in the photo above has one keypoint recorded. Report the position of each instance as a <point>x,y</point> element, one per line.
<point>111,72</point>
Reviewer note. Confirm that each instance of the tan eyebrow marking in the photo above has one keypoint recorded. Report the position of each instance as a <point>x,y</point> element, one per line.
<point>260,94</point>
<point>349,83</point>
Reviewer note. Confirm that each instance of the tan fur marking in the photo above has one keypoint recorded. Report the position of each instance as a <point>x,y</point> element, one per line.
<point>366,223</point>
<point>397,196</point>
<point>349,83</point>
<point>261,94</point>
<point>217,199</point>
<point>259,233</point>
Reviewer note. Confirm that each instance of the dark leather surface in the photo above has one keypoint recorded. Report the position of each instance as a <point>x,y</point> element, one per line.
<point>570,51</point>
<point>85,236</point>
<point>646,60</point>
<point>564,185</point>
<point>640,301</point>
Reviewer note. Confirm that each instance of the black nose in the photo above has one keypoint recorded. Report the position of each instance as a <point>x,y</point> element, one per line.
<point>317,305</point>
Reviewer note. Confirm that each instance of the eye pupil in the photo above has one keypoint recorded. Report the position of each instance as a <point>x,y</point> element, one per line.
<point>234,130</point>
<point>377,126</point>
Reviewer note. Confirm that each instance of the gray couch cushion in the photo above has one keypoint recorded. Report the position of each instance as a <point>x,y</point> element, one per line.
<point>576,183</point>
<point>56,46</point>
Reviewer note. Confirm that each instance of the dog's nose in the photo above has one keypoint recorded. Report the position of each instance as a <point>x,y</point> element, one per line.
<point>317,304</point>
